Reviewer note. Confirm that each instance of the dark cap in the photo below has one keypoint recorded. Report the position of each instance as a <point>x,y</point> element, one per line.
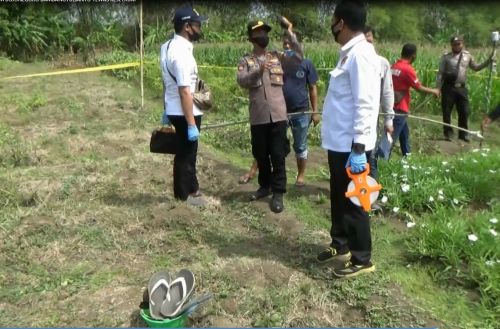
<point>456,38</point>
<point>187,14</point>
<point>253,25</point>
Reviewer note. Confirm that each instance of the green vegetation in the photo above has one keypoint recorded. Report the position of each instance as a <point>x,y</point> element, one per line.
<point>31,30</point>
<point>87,213</point>
<point>81,196</point>
<point>217,64</point>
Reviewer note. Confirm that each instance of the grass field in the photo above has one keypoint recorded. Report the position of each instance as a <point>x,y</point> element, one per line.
<point>88,214</point>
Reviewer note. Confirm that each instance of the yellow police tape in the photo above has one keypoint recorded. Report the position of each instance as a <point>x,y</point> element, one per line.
<point>134,64</point>
<point>88,69</point>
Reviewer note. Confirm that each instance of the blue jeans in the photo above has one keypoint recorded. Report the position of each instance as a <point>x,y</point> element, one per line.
<point>299,124</point>
<point>402,132</point>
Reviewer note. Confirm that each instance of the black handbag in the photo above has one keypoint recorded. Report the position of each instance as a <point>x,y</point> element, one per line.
<point>164,141</point>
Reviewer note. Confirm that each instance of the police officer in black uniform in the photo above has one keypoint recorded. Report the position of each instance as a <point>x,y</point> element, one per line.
<point>451,79</point>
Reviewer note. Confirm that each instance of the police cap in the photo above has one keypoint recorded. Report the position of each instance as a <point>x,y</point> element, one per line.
<point>253,25</point>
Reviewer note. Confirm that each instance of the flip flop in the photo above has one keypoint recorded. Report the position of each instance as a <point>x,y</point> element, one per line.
<point>181,289</point>
<point>158,288</point>
<point>173,303</point>
<point>300,184</point>
<point>190,307</point>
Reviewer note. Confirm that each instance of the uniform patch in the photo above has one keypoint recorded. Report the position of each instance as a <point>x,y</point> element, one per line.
<point>250,62</point>
<point>240,68</point>
<point>300,74</point>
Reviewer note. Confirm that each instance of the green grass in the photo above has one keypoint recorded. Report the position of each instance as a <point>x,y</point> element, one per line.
<point>87,215</point>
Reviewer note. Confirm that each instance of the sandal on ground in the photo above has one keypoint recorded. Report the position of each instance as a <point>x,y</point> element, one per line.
<point>158,288</point>
<point>300,184</point>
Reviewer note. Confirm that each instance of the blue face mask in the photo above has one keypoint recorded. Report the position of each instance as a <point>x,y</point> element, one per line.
<point>289,52</point>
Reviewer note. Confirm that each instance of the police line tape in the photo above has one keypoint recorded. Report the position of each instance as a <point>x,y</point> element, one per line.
<point>290,115</point>
<point>84,70</point>
<point>135,64</point>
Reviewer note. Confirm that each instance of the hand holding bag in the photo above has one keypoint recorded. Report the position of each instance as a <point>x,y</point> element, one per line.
<point>164,141</point>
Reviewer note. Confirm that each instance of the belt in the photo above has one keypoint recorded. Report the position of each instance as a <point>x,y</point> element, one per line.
<point>459,85</point>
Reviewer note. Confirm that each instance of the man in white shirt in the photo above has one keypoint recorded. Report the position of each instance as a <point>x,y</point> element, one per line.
<point>386,105</point>
<point>180,74</point>
<point>349,133</point>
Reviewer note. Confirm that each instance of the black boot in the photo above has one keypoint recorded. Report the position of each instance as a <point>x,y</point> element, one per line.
<point>277,203</point>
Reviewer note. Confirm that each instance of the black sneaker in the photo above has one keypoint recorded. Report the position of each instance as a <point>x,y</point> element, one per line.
<point>276,204</point>
<point>351,270</point>
<point>262,192</point>
<point>330,254</point>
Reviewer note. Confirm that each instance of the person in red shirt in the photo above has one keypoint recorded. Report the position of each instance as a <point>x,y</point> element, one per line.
<point>404,77</point>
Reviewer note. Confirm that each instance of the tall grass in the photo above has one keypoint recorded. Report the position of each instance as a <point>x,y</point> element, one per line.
<point>218,64</point>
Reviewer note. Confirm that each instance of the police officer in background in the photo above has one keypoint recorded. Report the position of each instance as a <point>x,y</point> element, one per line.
<point>262,74</point>
<point>451,79</point>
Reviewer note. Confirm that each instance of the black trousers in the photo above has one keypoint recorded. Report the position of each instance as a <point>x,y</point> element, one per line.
<point>269,148</point>
<point>452,96</point>
<point>350,229</point>
<point>185,180</point>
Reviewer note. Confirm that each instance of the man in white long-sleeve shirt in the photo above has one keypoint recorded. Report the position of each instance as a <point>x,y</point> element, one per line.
<point>349,134</point>
<point>386,104</point>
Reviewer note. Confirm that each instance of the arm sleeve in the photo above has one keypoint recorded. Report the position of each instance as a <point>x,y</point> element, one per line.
<point>312,75</point>
<point>247,78</point>
<point>413,79</point>
<point>364,76</point>
<point>387,96</point>
<point>295,45</point>
<point>162,70</point>
<point>182,70</point>
<point>477,67</point>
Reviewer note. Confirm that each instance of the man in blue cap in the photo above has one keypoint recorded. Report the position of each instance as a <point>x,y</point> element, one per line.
<point>180,75</point>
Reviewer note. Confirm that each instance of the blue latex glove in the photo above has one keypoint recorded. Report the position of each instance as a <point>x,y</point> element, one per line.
<point>357,161</point>
<point>164,119</point>
<point>193,133</point>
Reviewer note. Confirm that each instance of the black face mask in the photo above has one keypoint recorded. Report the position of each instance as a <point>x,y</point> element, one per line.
<point>335,33</point>
<point>262,41</point>
<point>195,36</point>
